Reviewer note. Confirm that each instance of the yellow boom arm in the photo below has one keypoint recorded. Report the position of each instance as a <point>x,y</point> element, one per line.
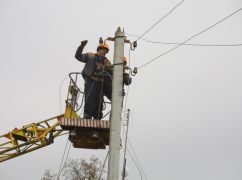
<point>29,138</point>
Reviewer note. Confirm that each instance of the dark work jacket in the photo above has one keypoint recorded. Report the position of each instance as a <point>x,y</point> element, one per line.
<point>127,80</point>
<point>107,85</point>
<point>93,62</point>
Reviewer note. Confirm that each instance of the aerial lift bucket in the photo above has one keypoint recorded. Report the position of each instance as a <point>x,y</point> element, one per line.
<point>84,133</point>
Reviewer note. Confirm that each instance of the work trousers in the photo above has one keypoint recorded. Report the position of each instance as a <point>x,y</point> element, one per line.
<point>107,87</point>
<point>93,98</point>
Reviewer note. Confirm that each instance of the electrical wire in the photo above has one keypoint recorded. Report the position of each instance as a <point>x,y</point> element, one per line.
<point>103,166</point>
<point>100,102</point>
<point>136,162</point>
<point>125,144</point>
<point>89,92</point>
<point>61,84</point>
<point>62,159</point>
<point>160,20</point>
<point>123,122</point>
<point>141,177</point>
<point>137,158</point>
<point>186,44</point>
<point>126,98</point>
<point>66,152</point>
<point>65,161</point>
<point>204,30</point>
<point>125,135</point>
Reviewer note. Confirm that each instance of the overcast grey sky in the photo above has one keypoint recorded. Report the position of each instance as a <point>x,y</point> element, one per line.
<point>186,116</point>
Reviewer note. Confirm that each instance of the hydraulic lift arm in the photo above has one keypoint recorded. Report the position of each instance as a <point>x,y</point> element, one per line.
<point>29,138</point>
<point>37,135</point>
<point>83,133</point>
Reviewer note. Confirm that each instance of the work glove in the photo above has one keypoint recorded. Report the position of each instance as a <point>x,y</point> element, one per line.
<point>84,43</point>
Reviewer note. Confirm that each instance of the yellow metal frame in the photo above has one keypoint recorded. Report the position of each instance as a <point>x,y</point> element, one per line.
<point>36,135</point>
<point>29,138</point>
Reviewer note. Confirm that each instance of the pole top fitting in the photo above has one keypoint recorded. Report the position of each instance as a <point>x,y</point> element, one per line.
<point>119,33</point>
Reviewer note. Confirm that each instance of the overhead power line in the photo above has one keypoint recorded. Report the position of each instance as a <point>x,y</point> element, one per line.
<point>197,34</point>
<point>62,165</point>
<point>141,177</point>
<point>137,160</point>
<point>103,166</point>
<point>160,20</point>
<point>185,44</point>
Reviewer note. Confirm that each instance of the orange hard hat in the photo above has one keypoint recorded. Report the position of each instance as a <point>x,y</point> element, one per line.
<point>124,60</point>
<point>103,46</point>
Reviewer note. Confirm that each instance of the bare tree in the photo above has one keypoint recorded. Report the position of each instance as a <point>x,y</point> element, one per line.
<point>79,169</point>
<point>48,175</point>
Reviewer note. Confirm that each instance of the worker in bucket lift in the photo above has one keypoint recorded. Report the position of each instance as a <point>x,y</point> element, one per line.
<point>107,85</point>
<point>94,66</point>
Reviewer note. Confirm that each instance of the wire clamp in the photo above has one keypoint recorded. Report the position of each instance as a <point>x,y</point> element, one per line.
<point>135,71</point>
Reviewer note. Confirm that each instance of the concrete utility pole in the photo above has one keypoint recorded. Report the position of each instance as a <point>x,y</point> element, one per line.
<point>117,100</point>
